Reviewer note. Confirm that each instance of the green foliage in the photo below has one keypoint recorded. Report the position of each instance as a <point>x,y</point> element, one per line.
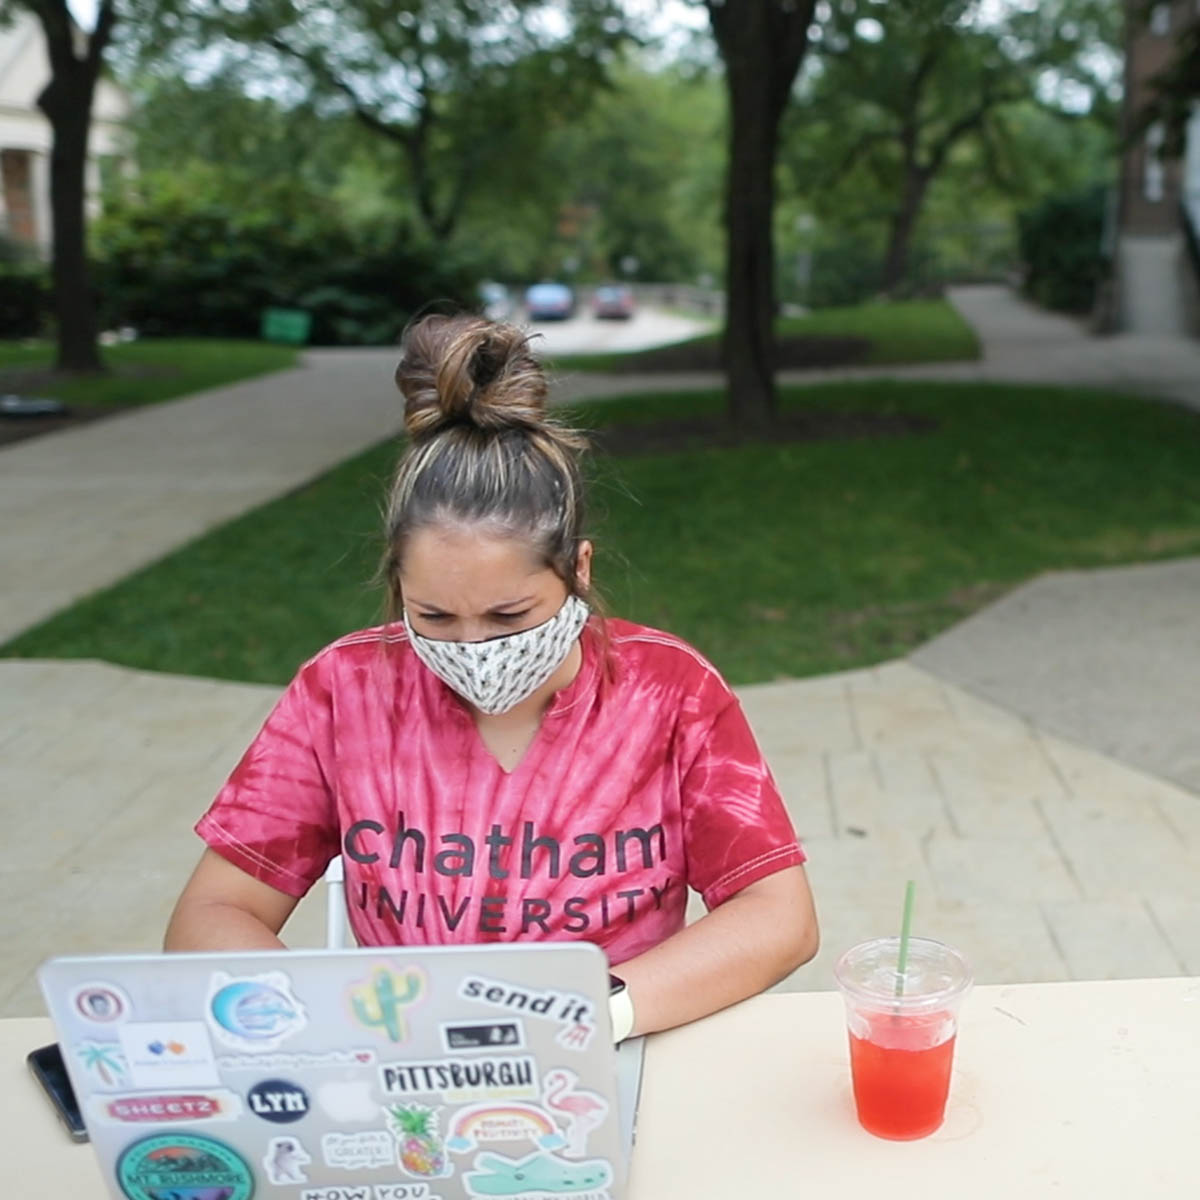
<point>1061,249</point>
<point>24,299</point>
<point>786,558</point>
<point>200,252</point>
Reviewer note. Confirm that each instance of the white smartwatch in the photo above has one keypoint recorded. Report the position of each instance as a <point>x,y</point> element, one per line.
<point>620,1007</point>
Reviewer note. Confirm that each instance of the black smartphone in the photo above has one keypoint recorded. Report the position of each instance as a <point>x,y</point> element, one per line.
<point>46,1063</point>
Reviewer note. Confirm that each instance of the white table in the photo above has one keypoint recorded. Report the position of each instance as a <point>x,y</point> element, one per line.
<point>1086,1090</point>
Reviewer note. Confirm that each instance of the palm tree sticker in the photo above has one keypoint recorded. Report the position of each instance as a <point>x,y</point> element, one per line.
<point>103,1060</point>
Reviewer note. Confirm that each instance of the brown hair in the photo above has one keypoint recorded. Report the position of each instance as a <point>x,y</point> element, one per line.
<point>482,448</point>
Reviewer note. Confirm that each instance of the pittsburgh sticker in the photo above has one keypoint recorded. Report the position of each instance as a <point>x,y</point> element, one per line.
<point>166,1107</point>
<point>459,1080</point>
<point>482,1124</point>
<point>278,1101</point>
<point>575,1014</point>
<point>459,1036</point>
<point>100,1003</point>
<point>285,1160</point>
<point>168,1054</point>
<point>379,1002</point>
<point>359,1151</point>
<point>538,1175</point>
<point>255,1013</point>
<point>183,1165</point>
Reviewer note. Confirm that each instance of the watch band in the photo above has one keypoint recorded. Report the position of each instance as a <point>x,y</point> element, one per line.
<point>620,1008</point>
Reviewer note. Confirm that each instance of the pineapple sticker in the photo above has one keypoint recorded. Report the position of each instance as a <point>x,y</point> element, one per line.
<point>418,1142</point>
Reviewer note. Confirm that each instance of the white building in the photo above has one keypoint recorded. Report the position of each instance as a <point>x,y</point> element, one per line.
<point>25,134</point>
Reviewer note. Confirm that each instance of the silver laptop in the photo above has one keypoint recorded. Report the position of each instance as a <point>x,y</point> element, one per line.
<point>440,1073</point>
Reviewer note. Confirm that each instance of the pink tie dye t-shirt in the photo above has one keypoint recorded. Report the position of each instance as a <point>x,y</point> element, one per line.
<point>643,780</point>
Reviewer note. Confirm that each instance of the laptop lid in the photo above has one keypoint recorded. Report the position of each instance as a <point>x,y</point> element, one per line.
<point>431,1073</point>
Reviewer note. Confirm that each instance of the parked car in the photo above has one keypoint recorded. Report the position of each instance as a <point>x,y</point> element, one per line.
<point>613,301</point>
<point>549,302</point>
<point>495,300</point>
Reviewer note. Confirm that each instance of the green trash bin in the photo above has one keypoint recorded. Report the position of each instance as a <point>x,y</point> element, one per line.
<point>290,325</point>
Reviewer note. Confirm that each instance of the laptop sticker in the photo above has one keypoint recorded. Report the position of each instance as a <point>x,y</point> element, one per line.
<point>183,1164</point>
<point>580,1110</point>
<point>359,1151</point>
<point>255,1013</point>
<point>168,1054</point>
<point>285,1160</point>
<point>101,1003</point>
<point>378,1003</point>
<point>365,1191</point>
<point>538,1175</point>
<point>278,1101</point>
<point>348,1101</point>
<point>484,1123</point>
<point>105,1065</point>
<point>573,1013</point>
<point>419,1145</point>
<point>458,1036</point>
<point>162,1108</point>
<point>299,1058</point>
<point>459,1080</point>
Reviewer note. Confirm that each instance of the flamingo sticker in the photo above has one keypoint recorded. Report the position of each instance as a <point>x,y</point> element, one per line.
<point>583,1110</point>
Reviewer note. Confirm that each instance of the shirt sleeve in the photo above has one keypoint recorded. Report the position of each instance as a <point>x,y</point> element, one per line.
<point>735,826</point>
<point>276,818</point>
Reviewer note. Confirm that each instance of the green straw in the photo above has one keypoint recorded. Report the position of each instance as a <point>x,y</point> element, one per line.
<point>905,929</point>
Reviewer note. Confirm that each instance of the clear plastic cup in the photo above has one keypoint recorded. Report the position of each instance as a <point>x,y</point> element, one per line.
<point>902,1047</point>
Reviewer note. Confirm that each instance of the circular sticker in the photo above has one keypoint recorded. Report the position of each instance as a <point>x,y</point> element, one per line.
<point>256,1011</point>
<point>100,1003</point>
<point>278,1100</point>
<point>200,1168</point>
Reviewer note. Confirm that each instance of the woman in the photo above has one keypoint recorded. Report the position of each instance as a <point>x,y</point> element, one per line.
<point>498,763</point>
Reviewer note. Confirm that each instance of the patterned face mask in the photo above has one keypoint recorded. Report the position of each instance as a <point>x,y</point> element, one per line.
<point>497,674</point>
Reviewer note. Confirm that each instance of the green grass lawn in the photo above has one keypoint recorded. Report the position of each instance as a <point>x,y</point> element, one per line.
<point>902,331</point>
<point>142,372</point>
<point>781,559</point>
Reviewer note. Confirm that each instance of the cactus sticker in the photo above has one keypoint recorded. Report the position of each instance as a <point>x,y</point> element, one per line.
<point>379,1002</point>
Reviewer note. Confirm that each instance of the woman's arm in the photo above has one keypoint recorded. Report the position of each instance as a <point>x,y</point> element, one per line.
<point>737,950</point>
<point>223,908</point>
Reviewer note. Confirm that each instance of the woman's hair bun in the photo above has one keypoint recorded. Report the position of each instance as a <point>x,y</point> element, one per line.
<point>466,370</point>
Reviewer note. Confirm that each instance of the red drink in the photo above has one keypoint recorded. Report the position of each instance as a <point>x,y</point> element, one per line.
<point>900,1080</point>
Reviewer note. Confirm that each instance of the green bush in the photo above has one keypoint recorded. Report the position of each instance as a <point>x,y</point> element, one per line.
<point>24,292</point>
<point>1060,243</point>
<point>197,256</point>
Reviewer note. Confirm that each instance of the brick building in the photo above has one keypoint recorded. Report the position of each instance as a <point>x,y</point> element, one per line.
<point>25,135</point>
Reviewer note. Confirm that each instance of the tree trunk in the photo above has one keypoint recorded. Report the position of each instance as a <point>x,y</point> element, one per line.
<point>762,43</point>
<point>904,222</point>
<point>749,342</point>
<point>67,102</point>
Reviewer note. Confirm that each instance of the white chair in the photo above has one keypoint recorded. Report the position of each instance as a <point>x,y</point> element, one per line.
<point>335,905</point>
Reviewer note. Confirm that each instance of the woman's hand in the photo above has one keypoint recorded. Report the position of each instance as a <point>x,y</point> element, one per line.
<point>223,908</point>
<point>739,949</point>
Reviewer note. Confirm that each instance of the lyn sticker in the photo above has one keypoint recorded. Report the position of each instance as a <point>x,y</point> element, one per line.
<point>580,1110</point>
<point>573,1013</point>
<point>419,1145</point>
<point>101,1003</point>
<point>255,1013</point>
<point>183,1164</point>
<point>359,1151</point>
<point>285,1160</point>
<point>168,1054</point>
<point>379,1002</point>
<point>460,1036</point>
<point>481,1124</point>
<point>148,1108</point>
<point>278,1101</point>
<point>459,1080</point>
<point>538,1175</point>
<point>105,1064</point>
